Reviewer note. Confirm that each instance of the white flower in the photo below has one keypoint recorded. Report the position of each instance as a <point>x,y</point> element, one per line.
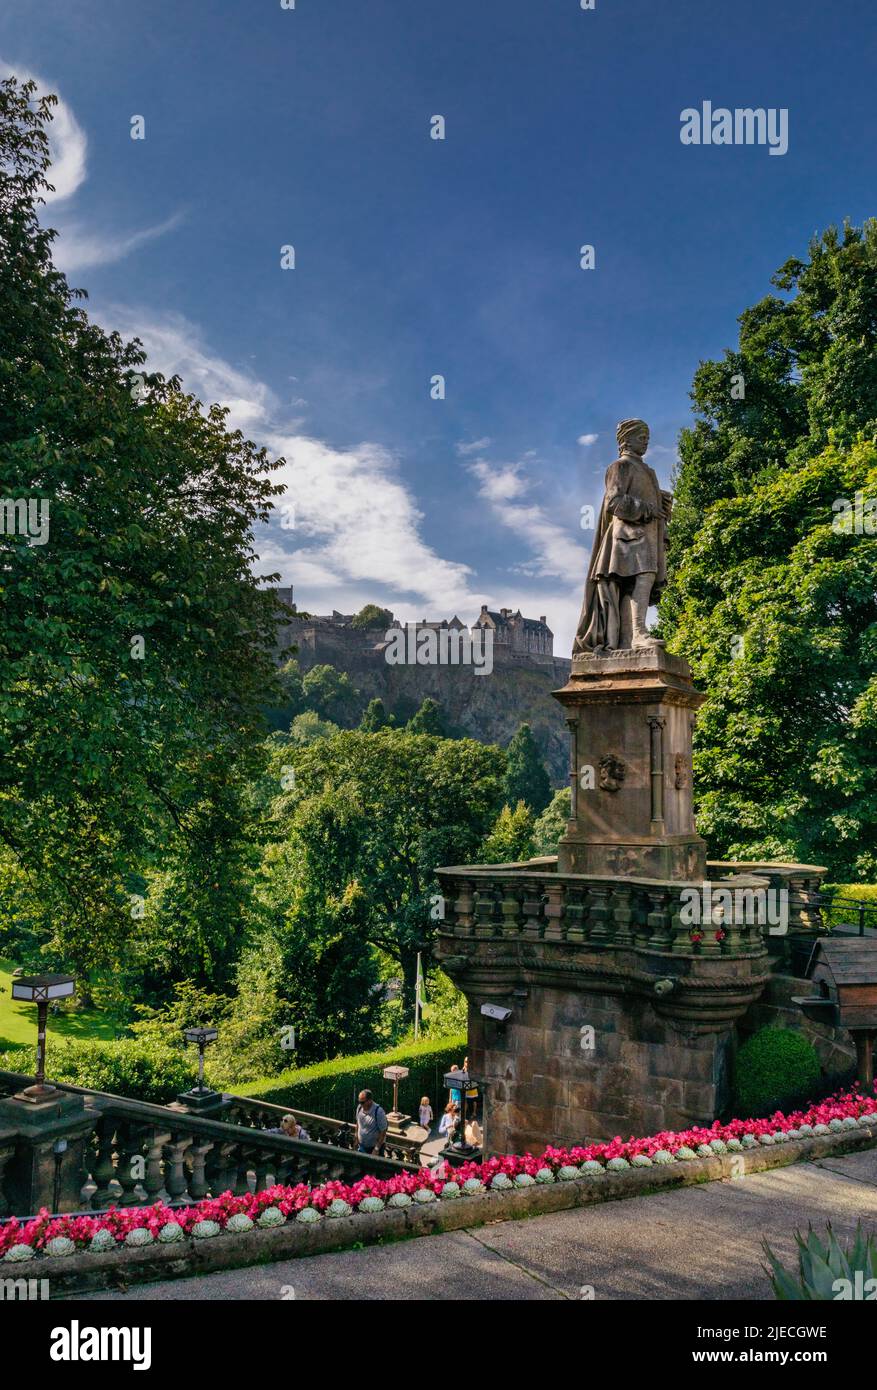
<point>60,1246</point>
<point>451,1189</point>
<point>371,1204</point>
<point>399,1199</point>
<point>307,1216</point>
<point>140,1235</point>
<point>205,1230</point>
<point>16,1254</point>
<point>238,1223</point>
<point>271,1216</point>
<point>102,1240</point>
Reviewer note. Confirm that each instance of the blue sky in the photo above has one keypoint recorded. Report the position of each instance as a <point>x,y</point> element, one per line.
<point>311,127</point>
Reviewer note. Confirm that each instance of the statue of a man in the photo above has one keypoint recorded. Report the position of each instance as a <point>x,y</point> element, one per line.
<point>628,565</point>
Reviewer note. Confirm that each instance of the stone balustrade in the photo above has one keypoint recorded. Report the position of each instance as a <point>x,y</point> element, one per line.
<point>102,1150</point>
<point>322,1129</point>
<point>530,902</point>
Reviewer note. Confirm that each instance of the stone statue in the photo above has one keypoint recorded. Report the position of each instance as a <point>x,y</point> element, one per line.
<point>628,565</point>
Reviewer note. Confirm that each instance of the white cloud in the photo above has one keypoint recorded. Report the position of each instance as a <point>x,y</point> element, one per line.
<point>67,140</point>
<point>476,446</point>
<point>587,439</point>
<point>552,550</point>
<point>76,248</point>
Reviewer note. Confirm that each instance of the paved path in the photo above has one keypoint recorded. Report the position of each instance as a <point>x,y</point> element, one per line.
<point>699,1242</point>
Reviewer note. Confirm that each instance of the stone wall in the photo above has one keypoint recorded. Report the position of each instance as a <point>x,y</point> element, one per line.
<point>644,1074</point>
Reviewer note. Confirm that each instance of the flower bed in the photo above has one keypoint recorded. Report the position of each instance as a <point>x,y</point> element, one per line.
<point>54,1237</point>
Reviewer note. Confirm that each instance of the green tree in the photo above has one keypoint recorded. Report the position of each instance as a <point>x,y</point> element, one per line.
<point>804,372</point>
<point>526,778</point>
<point>308,726</point>
<point>372,616</point>
<point>375,717</point>
<point>551,825</point>
<point>331,694</point>
<point>427,720</point>
<point>772,595</point>
<point>511,838</point>
<point>137,644</point>
<point>411,802</point>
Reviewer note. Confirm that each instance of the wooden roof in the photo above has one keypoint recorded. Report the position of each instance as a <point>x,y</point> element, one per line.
<point>852,960</point>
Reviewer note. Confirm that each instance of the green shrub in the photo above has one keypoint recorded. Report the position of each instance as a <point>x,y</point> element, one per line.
<point>822,1267</point>
<point>331,1088</point>
<point>129,1067</point>
<point>861,893</point>
<point>774,1066</point>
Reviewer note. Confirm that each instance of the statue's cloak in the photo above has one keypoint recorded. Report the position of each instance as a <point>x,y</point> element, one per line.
<point>630,539</point>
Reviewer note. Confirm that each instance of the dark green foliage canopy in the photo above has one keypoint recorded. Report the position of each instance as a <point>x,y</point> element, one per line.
<point>135,648</point>
<point>526,779</point>
<point>773,586</point>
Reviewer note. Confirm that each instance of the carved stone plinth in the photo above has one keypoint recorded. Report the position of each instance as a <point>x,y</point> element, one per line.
<point>630,717</point>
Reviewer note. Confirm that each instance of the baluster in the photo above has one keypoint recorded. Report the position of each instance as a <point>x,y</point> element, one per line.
<point>621,916</point>
<point>485,903</point>
<point>262,1166</point>
<point>532,909</point>
<point>553,910</point>
<point>222,1168</point>
<point>659,920</point>
<point>103,1170</point>
<point>7,1152</point>
<point>510,906</point>
<point>464,921</point>
<point>598,912</point>
<point>198,1152</point>
<point>129,1159</point>
<point>242,1172</point>
<point>681,943</point>
<point>574,914</point>
<point>153,1182</point>
<point>175,1167</point>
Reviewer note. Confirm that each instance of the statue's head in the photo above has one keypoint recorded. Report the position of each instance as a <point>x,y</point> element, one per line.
<point>633,435</point>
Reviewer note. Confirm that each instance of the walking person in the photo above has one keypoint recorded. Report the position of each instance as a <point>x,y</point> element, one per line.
<point>371,1124</point>
<point>426,1115</point>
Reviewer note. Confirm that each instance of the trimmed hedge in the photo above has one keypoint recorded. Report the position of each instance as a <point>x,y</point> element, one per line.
<point>331,1088</point>
<point>861,892</point>
<point>127,1067</point>
<point>773,1067</point>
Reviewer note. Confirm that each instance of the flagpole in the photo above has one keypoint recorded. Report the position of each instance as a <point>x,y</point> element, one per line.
<point>417,1002</point>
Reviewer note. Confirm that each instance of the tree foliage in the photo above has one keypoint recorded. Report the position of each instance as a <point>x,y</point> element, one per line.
<point>526,778</point>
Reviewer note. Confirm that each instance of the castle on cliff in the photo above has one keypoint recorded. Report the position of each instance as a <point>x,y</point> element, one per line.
<point>320,636</point>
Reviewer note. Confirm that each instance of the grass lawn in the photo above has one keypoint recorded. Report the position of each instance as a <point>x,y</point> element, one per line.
<point>18,1021</point>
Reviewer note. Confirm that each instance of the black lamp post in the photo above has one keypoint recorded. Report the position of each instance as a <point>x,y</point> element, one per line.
<point>201,1036</point>
<point>459,1081</point>
<point>41,990</point>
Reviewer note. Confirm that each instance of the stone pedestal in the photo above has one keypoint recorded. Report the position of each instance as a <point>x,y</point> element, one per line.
<point>47,1167</point>
<point>630,717</point>
<point>574,1066</point>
